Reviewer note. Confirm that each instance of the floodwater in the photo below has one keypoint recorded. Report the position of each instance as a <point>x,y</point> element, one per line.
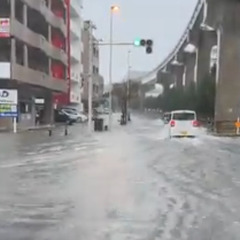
<point>133,183</point>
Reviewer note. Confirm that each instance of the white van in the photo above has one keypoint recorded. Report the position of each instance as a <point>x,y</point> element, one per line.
<point>183,123</point>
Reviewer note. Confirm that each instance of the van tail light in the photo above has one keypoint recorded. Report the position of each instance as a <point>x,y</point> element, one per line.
<point>196,123</point>
<point>172,123</point>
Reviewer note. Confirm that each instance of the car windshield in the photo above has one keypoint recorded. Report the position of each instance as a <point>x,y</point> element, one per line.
<point>183,116</point>
<point>70,111</point>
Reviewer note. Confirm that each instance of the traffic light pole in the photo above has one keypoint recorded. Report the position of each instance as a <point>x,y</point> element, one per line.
<point>114,44</point>
<point>91,27</point>
<point>110,71</point>
<point>148,44</point>
<point>128,85</point>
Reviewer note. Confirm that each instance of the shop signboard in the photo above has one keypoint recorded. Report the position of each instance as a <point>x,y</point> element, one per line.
<point>7,110</point>
<point>8,102</point>
<point>4,27</point>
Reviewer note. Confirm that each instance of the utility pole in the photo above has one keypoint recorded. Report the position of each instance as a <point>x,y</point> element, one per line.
<point>113,9</point>
<point>128,86</point>
<point>91,27</point>
<point>126,93</point>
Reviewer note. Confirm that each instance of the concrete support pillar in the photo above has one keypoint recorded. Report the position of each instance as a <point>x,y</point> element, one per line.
<point>141,97</point>
<point>190,62</point>
<point>166,79</point>
<point>50,41</point>
<point>49,33</point>
<point>25,21</point>
<point>143,89</point>
<point>25,57</point>
<point>177,72</point>
<point>13,50</point>
<point>207,40</point>
<point>13,3</point>
<point>25,48</point>
<point>50,67</point>
<point>48,117</point>
<point>223,16</point>
<point>227,107</point>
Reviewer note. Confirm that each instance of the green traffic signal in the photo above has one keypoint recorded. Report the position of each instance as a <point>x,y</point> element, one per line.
<point>147,43</point>
<point>137,42</point>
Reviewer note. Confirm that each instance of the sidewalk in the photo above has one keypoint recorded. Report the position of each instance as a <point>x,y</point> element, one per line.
<point>39,127</point>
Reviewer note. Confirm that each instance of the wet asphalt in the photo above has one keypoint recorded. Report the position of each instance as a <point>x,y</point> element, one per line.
<point>131,183</point>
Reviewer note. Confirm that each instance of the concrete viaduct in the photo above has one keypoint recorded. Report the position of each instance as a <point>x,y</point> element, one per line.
<point>215,25</point>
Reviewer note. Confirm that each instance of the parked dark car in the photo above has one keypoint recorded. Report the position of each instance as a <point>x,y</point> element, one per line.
<point>61,117</point>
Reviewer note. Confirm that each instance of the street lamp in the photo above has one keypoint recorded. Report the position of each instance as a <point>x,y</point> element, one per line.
<point>113,9</point>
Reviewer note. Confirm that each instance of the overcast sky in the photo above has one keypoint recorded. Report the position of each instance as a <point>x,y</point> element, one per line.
<point>161,20</point>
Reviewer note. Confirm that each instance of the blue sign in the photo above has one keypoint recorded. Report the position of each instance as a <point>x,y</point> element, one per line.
<point>8,110</point>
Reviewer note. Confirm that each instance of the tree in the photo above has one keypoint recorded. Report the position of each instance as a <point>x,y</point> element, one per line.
<point>200,98</point>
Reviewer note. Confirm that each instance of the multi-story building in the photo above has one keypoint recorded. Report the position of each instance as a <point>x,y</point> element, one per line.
<point>74,42</point>
<point>76,25</point>
<point>33,56</point>
<point>93,60</point>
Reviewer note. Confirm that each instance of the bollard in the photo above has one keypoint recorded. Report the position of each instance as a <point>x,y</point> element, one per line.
<point>66,130</point>
<point>50,132</point>
<point>129,117</point>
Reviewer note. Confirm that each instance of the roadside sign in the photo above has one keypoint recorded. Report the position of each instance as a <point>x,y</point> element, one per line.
<point>8,105</point>
<point>237,124</point>
<point>4,27</point>
<point>7,110</point>
<point>8,96</point>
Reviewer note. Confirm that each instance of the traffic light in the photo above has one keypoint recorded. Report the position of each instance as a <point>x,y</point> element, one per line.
<point>137,42</point>
<point>148,44</point>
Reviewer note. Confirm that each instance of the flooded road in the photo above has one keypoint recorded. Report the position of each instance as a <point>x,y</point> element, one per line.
<point>132,183</point>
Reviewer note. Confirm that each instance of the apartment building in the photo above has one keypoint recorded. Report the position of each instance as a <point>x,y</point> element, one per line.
<point>75,47</point>
<point>33,56</point>
<point>87,60</point>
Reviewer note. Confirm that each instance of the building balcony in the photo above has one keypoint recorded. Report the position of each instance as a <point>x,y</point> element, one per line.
<point>75,77</point>
<point>75,29</point>
<point>36,40</point>
<point>54,52</point>
<point>24,34</point>
<point>75,97</point>
<point>75,54</point>
<point>75,7</point>
<point>54,20</point>
<point>51,18</point>
<point>37,78</point>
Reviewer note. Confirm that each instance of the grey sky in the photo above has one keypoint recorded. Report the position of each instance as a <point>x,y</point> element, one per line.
<point>162,20</point>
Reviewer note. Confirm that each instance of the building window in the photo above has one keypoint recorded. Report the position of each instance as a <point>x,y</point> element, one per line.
<point>25,107</point>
